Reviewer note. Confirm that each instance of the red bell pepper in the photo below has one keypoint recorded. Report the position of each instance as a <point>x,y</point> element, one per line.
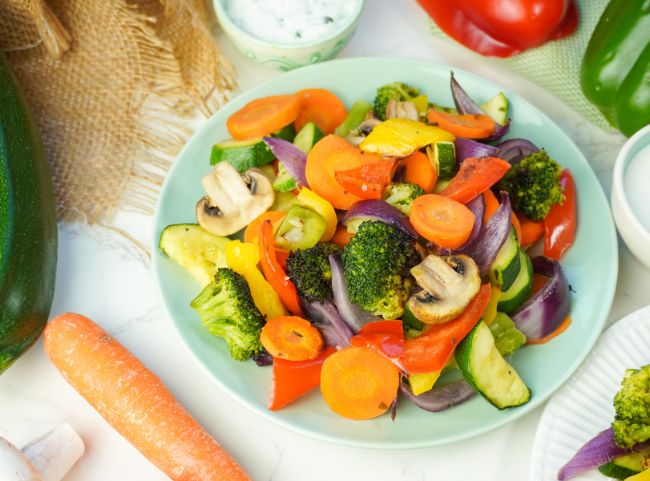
<point>503,28</point>
<point>293,379</point>
<point>560,223</point>
<point>432,349</point>
<point>274,272</point>
<point>386,337</point>
<point>367,181</point>
<point>476,175</point>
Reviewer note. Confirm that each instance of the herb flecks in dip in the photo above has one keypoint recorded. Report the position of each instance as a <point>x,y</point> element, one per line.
<point>290,21</point>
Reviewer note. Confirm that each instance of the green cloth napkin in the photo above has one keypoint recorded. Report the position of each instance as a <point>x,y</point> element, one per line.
<point>556,65</point>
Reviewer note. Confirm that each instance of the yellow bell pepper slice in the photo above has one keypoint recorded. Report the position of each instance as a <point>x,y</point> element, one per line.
<point>402,137</point>
<point>642,476</point>
<point>490,311</point>
<point>310,199</point>
<point>421,103</point>
<point>243,257</point>
<point>421,383</point>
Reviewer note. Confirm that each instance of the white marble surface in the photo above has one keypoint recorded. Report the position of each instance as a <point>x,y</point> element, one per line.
<point>104,278</point>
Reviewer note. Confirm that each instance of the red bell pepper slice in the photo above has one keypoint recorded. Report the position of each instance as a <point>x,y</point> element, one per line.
<point>293,379</point>
<point>274,272</point>
<point>432,349</point>
<point>476,175</point>
<point>503,28</point>
<point>560,223</point>
<point>385,337</point>
<point>367,181</point>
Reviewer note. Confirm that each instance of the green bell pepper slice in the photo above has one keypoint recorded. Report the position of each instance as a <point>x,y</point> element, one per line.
<point>301,228</point>
<point>615,71</point>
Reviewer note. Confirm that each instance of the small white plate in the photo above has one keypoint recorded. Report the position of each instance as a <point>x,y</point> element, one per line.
<point>583,406</point>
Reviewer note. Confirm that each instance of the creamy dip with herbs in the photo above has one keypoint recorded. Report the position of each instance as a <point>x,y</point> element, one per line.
<point>290,21</point>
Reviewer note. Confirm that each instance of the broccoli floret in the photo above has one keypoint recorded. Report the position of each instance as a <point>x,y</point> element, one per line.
<point>226,309</point>
<point>402,195</point>
<point>310,271</point>
<point>533,185</point>
<point>394,91</point>
<point>376,265</point>
<point>632,422</point>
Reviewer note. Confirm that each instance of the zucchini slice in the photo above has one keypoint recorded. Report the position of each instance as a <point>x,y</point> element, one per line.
<point>307,137</point>
<point>442,155</point>
<point>197,250</point>
<point>242,154</point>
<point>485,368</point>
<point>505,267</point>
<point>516,295</point>
<point>497,108</point>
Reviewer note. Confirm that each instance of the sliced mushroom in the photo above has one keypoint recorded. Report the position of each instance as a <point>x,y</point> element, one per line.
<point>233,200</point>
<point>449,283</point>
<point>401,110</point>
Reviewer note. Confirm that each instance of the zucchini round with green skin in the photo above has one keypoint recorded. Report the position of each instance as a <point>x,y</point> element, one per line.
<point>28,234</point>
<point>242,154</point>
<point>505,267</point>
<point>307,137</point>
<point>516,295</point>
<point>442,155</point>
<point>485,368</point>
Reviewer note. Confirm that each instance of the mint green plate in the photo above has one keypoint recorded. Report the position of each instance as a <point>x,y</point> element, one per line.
<point>591,266</point>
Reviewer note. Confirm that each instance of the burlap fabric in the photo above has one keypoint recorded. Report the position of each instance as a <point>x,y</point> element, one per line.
<point>109,82</point>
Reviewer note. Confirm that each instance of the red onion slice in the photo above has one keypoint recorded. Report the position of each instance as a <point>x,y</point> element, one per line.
<point>598,450</point>
<point>352,314</point>
<point>544,312</point>
<point>326,317</point>
<point>293,159</point>
<point>382,211</point>
<point>513,150</point>
<point>492,236</point>
<point>468,148</point>
<point>440,397</point>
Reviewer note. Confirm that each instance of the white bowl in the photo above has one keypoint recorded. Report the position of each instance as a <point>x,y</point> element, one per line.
<point>634,234</point>
<point>287,56</point>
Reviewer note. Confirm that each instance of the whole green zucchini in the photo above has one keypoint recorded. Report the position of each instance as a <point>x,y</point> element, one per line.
<point>28,234</point>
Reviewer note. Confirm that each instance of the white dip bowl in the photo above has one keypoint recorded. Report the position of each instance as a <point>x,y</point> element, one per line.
<point>631,194</point>
<point>287,56</point>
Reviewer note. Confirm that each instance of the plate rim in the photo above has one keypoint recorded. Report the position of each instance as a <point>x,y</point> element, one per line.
<point>391,445</point>
<point>608,337</point>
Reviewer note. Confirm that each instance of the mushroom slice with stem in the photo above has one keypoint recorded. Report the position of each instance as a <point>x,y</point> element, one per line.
<point>233,200</point>
<point>401,110</point>
<point>449,283</point>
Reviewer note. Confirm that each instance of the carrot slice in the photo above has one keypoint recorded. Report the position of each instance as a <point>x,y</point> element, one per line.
<point>293,379</point>
<point>358,383</point>
<point>476,175</point>
<point>442,220</point>
<point>263,116</point>
<point>367,181</point>
<point>531,231</point>
<point>321,107</point>
<point>418,170</point>
<point>252,231</point>
<point>469,126</point>
<point>292,338</point>
<point>491,205</point>
<point>342,236</point>
<point>330,154</point>
<point>135,402</point>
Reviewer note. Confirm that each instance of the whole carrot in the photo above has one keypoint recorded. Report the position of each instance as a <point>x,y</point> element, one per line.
<point>136,402</point>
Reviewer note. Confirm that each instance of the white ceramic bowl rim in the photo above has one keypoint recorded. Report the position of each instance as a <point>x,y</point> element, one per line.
<point>222,13</point>
<point>619,171</point>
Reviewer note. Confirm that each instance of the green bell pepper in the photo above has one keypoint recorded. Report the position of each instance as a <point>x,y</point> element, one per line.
<point>301,228</point>
<point>615,72</point>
